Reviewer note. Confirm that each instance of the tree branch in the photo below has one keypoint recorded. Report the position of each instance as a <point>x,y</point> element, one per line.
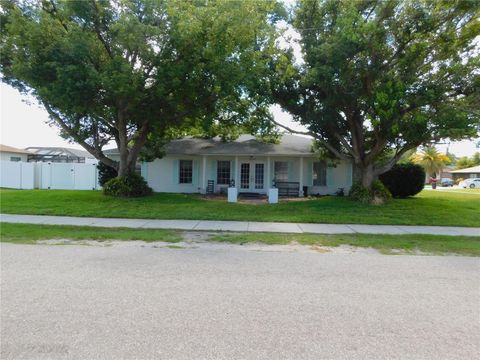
<point>95,151</point>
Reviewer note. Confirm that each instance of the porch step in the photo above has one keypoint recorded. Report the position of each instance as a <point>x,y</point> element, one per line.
<point>250,195</point>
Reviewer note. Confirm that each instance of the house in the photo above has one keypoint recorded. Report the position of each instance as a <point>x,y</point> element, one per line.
<point>9,153</point>
<point>471,172</point>
<point>251,166</point>
<point>60,155</point>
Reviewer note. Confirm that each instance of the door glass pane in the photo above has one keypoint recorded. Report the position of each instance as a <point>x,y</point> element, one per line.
<point>244,176</point>
<point>258,176</point>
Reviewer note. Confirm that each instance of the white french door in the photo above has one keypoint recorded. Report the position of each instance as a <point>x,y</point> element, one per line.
<point>252,175</point>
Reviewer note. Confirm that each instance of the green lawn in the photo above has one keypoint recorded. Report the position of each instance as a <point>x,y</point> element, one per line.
<point>427,208</point>
<point>387,244</point>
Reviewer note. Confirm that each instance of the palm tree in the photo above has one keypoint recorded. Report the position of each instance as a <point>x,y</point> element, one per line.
<point>432,161</point>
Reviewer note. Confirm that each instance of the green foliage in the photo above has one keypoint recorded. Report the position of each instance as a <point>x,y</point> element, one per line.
<point>466,162</point>
<point>378,193</point>
<point>137,72</point>
<point>404,180</point>
<point>432,161</point>
<point>132,185</point>
<point>105,173</point>
<point>382,77</point>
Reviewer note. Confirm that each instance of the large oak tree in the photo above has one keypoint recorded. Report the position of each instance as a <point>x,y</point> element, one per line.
<point>134,71</point>
<point>380,77</point>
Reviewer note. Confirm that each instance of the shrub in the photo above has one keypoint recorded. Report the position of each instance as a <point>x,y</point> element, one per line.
<point>105,173</point>
<point>377,195</point>
<point>458,181</point>
<point>132,185</point>
<point>404,180</point>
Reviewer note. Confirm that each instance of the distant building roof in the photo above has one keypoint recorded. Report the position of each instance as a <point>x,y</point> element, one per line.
<point>470,170</point>
<point>48,150</point>
<point>244,145</point>
<point>11,149</point>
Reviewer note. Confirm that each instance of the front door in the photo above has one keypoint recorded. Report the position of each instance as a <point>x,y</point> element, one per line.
<point>252,176</point>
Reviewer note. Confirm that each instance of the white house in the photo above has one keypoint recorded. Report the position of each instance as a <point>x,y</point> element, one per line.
<point>249,165</point>
<point>9,153</point>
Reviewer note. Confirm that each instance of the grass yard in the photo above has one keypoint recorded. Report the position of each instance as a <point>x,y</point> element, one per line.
<point>386,244</point>
<point>427,208</point>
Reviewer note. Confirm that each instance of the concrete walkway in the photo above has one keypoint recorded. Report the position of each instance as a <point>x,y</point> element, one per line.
<point>240,226</point>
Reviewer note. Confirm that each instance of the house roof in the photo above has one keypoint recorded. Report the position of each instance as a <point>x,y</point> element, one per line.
<point>244,145</point>
<point>470,170</point>
<point>11,149</point>
<point>59,151</point>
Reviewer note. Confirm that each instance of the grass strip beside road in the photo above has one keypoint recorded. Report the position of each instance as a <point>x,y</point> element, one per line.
<point>386,244</point>
<point>29,233</point>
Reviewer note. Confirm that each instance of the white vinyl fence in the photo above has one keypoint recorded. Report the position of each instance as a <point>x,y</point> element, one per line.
<point>65,176</point>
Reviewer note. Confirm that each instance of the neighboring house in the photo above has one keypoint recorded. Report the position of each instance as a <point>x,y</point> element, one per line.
<point>445,173</point>
<point>471,172</point>
<point>251,165</point>
<point>60,155</point>
<point>9,153</point>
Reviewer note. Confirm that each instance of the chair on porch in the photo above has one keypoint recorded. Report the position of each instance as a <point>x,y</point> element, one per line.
<point>210,186</point>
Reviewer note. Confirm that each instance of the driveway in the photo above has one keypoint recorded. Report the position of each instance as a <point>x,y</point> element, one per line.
<point>128,301</point>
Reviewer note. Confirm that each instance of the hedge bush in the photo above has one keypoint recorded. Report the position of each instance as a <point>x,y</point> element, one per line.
<point>377,195</point>
<point>404,180</point>
<point>105,173</point>
<point>132,185</point>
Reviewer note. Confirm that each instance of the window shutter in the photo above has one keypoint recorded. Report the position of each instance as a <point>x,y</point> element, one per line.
<point>330,178</point>
<point>349,173</point>
<point>272,174</point>
<point>144,170</point>
<point>175,171</point>
<point>195,172</point>
<point>213,171</point>
<point>309,180</point>
<point>290,170</point>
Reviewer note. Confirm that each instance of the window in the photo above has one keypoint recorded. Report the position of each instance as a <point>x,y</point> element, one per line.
<point>223,172</point>
<point>185,174</point>
<point>15,158</point>
<point>281,171</point>
<point>320,173</point>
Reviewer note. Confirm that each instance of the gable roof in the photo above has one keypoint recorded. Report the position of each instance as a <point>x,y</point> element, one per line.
<point>11,149</point>
<point>473,169</point>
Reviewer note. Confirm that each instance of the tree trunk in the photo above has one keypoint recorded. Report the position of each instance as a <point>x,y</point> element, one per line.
<point>364,174</point>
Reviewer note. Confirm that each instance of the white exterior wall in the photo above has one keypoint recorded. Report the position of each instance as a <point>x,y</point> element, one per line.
<point>5,156</point>
<point>162,174</point>
<point>337,177</point>
<point>162,177</point>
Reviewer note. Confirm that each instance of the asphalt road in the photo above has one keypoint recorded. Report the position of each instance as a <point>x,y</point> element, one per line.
<point>90,302</point>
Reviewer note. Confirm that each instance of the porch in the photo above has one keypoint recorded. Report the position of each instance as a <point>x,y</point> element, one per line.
<point>248,174</point>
